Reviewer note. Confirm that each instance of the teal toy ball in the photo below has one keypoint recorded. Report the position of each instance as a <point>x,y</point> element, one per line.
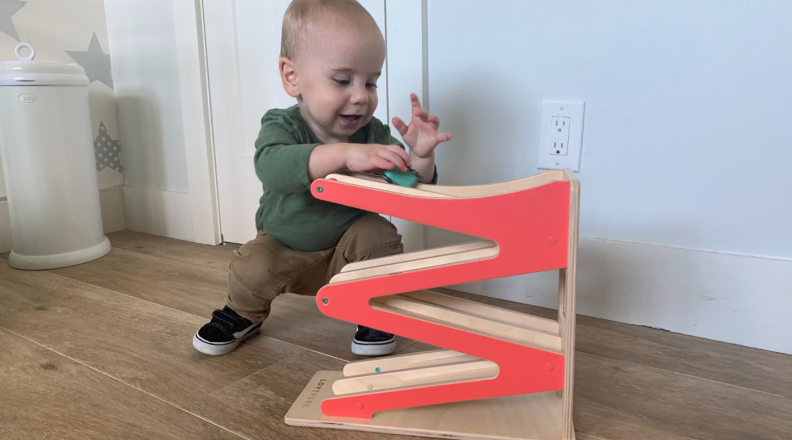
<point>403,178</point>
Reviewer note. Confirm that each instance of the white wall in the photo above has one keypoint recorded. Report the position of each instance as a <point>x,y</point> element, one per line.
<point>148,90</point>
<point>146,76</point>
<point>685,146</point>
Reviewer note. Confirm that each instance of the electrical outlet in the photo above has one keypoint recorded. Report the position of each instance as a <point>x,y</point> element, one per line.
<point>561,135</point>
<point>559,127</point>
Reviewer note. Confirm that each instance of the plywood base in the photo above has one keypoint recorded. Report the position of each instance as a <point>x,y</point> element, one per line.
<point>526,417</point>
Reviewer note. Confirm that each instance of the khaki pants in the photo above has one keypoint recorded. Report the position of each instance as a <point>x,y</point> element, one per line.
<point>264,268</point>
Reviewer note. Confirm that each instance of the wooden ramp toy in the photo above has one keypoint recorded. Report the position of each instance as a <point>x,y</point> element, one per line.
<point>501,374</point>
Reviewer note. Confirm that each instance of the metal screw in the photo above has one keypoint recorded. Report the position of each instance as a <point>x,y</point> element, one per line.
<point>359,406</point>
<point>325,301</point>
<point>550,367</point>
<point>562,107</point>
<point>369,387</point>
<point>320,189</point>
<point>558,163</point>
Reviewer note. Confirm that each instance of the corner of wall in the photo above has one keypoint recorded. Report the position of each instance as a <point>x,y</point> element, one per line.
<point>113,209</point>
<point>5,228</point>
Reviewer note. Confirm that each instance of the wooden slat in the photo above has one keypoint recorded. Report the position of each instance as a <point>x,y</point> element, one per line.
<point>443,260</point>
<point>406,362</point>
<point>486,311</point>
<point>440,191</point>
<point>567,304</point>
<point>420,255</point>
<point>448,317</point>
<point>386,187</point>
<point>496,188</point>
<point>456,372</point>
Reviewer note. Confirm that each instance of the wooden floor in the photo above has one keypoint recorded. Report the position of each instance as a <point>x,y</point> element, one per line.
<point>103,351</point>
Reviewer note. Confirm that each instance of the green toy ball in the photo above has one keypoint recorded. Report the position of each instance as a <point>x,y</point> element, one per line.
<point>404,178</point>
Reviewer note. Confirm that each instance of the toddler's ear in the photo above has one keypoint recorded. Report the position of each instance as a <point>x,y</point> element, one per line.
<point>289,77</point>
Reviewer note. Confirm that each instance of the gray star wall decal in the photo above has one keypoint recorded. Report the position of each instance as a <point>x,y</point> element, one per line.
<point>107,151</point>
<point>95,62</point>
<point>7,9</point>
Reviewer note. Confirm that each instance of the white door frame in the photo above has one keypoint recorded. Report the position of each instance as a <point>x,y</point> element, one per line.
<point>197,120</point>
<point>405,34</point>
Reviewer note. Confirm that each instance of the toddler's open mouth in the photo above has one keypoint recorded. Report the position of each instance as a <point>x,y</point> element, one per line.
<point>351,119</point>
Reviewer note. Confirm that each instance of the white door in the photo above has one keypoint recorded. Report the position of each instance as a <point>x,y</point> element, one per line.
<point>242,49</point>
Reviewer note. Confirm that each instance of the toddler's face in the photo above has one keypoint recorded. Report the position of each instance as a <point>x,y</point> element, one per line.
<point>337,69</point>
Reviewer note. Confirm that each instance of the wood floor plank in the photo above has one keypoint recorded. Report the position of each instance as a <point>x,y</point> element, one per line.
<point>140,343</point>
<point>46,395</point>
<point>718,361</point>
<point>294,319</point>
<point>618,400</point>
<point>212,257</point>
<point>728,363</point>
<point>600,427</point>
<point>174,284</point>
<point>255,406</point>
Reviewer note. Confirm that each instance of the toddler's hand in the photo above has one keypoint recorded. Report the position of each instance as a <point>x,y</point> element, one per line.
<point>421,135</point>
<point>370,157</point>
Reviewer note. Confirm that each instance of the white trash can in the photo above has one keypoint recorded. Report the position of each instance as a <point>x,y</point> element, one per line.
<point>49,164</point>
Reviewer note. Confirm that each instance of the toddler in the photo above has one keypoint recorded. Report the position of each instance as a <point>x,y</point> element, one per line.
<point>332,54</point>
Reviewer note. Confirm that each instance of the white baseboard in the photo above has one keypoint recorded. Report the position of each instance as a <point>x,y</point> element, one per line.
<point>168,214</point>
<point>113,209</point>
<point>5,228</point>
<point>732,298</point>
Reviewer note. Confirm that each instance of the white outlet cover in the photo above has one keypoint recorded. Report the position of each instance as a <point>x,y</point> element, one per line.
<point>575,111</point>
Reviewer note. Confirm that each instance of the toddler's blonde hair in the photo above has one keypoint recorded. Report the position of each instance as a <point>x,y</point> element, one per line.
<point>300,13</point>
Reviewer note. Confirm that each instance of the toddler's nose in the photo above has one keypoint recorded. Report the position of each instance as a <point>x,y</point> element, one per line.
<point>359,97</point>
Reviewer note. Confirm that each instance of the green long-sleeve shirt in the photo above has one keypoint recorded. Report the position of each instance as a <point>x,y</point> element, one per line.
<point>288,211</point>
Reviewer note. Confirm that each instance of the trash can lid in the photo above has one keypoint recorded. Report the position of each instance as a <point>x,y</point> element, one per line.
<point>27,72</point>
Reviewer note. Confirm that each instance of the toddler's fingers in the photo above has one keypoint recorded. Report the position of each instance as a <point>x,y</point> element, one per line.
<point>398,150</point>
<point>420,112</point>
<point>394,159</point>
<point>381,163</point>
<point>442,137</point>
<point>414,102</point>
<point>400,125</point>
<point>434,120</point>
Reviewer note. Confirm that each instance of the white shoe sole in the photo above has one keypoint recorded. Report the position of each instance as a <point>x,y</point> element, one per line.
<point>218,349</point>
<point>373,349</point>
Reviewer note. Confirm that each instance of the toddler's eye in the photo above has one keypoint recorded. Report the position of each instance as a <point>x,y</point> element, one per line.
<point>371,85</point>
<point>341,82</point>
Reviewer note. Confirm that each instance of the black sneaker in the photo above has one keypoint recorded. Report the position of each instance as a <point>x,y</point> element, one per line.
<point>223,333</point>
<point>370,342</point>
